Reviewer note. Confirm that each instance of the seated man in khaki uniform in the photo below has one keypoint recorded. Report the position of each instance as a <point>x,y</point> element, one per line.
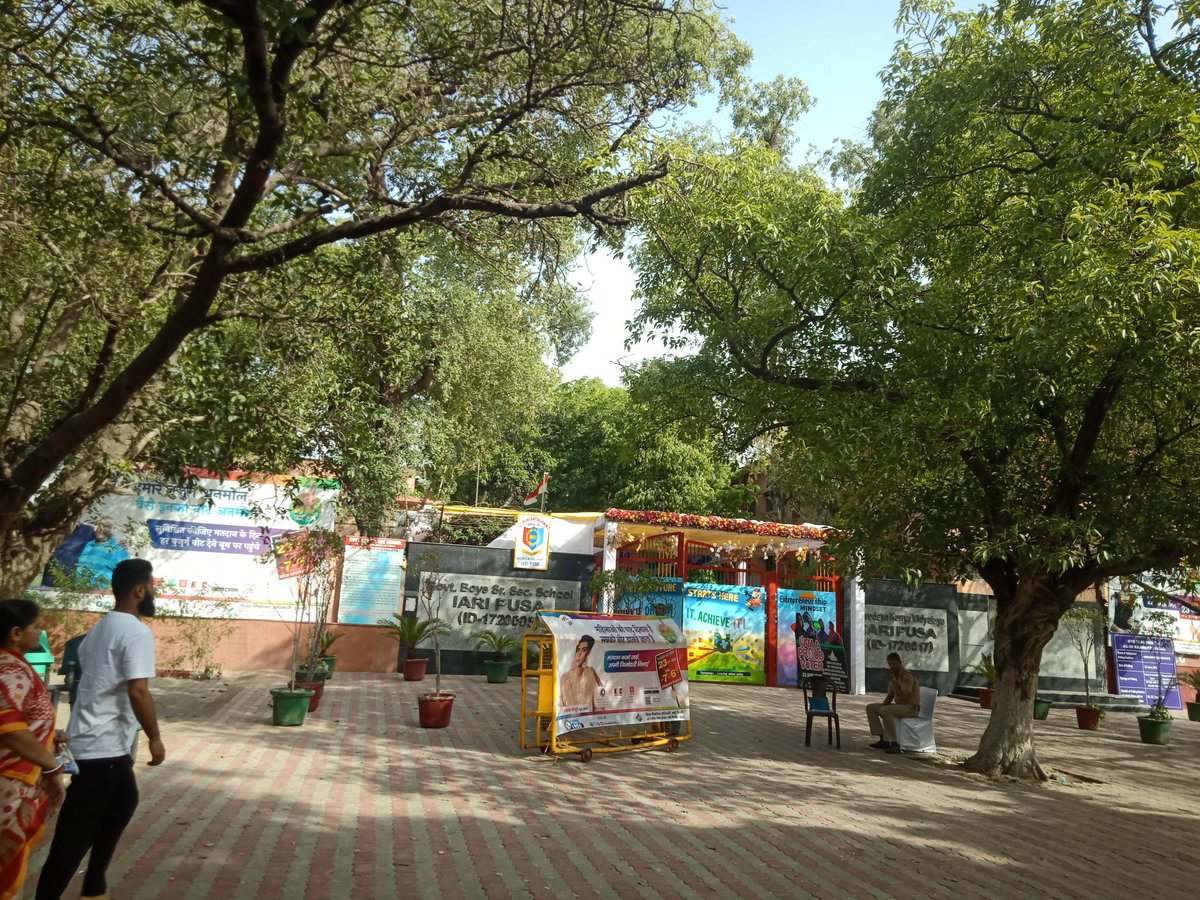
<point>903,699</point>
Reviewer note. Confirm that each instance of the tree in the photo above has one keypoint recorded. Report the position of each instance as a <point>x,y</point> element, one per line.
<point>602,449</point>
<point>167,167</point>
<point>985,358</point>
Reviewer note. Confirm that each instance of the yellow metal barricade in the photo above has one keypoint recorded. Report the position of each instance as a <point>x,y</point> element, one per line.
<point>540,727</point>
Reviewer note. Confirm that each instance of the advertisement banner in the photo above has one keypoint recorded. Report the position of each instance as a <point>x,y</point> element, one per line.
<point>1184,627</point>
<point>617,670</point>
<point>211,545</point>
<point>726,627</point>
<point>1145,666</point>
<point>808,639</point>
<point>532,547</point>
<point>372,586</point>
<point>666,602</point>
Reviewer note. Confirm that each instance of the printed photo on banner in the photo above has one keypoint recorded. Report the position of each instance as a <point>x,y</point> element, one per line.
<point>617,670</point>
<point>726,626</point>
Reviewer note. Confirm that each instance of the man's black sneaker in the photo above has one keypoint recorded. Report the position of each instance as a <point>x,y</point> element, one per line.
<point>893,747</point>
<point>879,745</point>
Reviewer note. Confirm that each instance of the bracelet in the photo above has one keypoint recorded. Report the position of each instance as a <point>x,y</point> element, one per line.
<point>53,771</point>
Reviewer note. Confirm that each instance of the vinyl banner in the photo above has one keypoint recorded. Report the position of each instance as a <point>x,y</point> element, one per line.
<point>211,546</point>
<point>617,670</point>
<point>372,585</point>
<point>667,601</point>
<point>531,550</point>
<point>726,627</point>
<point>808,639</point>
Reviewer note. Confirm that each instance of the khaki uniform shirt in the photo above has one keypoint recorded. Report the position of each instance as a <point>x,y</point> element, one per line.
<point>905,689</point>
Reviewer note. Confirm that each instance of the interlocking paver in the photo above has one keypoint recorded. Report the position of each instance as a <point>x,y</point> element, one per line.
<point>362,802</point>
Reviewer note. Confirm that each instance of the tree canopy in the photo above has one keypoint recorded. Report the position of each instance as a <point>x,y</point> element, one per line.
<point>603,449</point>
<point>983,357</point>
<point>179,181</point>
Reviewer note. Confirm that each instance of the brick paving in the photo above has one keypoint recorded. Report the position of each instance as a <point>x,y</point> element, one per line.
<point>361,802</point>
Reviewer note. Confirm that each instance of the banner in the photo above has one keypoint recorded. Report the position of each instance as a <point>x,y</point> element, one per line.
<point>210,545</point>
<point>372,585</point>
<point>617,670</point>
<point>532,547</point>
<point>666,602</point>
<point>808,640</point>
<point>726,627</point>
<point>1145,666</point>
<point>1185,626</point>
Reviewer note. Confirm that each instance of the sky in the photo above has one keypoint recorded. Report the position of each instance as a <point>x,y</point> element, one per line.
<point>838,50</point>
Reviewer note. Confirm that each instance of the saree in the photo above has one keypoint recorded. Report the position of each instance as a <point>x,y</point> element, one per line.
<point>24,704</point>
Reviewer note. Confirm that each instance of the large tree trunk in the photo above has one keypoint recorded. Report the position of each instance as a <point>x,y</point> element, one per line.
<point>1025,622</point>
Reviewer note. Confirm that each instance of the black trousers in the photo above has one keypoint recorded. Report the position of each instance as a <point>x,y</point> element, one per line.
<point>99,804</point>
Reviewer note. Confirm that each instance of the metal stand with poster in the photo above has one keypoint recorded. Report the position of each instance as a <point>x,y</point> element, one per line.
<point>603,683</point>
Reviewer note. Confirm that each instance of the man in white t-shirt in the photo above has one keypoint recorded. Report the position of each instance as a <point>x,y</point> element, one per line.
<point>116,660</point>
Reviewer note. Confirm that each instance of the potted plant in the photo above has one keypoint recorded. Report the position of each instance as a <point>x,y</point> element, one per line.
<point>1083,622</point>
<point>986,669</point>
<point>312,552</point>
<point>434,708</point>
<point>1041,708</point>
<point>1192,680</point>
<point>501,647</point>
<point>329,660</point>
<point>410,632</point>
<point>1155,727</point>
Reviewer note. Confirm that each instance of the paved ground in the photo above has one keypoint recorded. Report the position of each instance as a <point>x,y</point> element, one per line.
<point>361,802</point>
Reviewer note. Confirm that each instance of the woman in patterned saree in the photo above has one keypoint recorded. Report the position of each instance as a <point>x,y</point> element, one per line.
<point>31,777</point>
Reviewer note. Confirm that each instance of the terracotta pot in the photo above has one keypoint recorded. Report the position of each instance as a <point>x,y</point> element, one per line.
<point>986,696</point>
<point>414,669</point>
<point>317,687</point>
<point>1088,717</point>
<point>434,710</point>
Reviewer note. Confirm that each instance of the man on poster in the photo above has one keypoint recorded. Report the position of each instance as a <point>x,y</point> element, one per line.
<point>577,686</point>
<point>903,700</point>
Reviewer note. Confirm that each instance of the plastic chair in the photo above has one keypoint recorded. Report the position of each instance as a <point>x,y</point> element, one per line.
<point>915,733</point>
<point>820,705</point>
<point>41,660</point>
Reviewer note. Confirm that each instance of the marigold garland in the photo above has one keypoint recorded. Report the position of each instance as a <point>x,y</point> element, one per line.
<point>719,523</point>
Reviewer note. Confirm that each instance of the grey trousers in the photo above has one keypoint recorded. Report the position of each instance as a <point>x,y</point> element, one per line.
<point>881,717</point>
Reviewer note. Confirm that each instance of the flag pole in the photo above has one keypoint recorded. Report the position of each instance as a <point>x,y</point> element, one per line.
<point>545,489</point>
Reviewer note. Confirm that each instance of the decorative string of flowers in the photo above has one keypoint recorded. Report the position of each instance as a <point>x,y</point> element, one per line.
<point>719,523</point>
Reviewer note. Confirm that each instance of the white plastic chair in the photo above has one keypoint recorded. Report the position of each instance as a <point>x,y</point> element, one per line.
<point>915,733</point>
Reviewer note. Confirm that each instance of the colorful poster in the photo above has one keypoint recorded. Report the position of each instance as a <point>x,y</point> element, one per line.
<point>1184,626</point>
<point>372,585</point>
<point>531,551</point>
<point>1145,667</point>
<point>809,639</point>
<point>819,612</point>
<point>617,670</point>
<point>726,627</point>
<point>666,602</point>
<point>210,544</point>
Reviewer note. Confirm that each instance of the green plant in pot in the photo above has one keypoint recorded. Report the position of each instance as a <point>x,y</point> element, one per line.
<point>1192,680</point>
<point>328,659</point>
<point>501,646</point>
<point>1084,622</point>
<point>1155,726</point>
<point>410,631</point>
<point>986,669</point>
